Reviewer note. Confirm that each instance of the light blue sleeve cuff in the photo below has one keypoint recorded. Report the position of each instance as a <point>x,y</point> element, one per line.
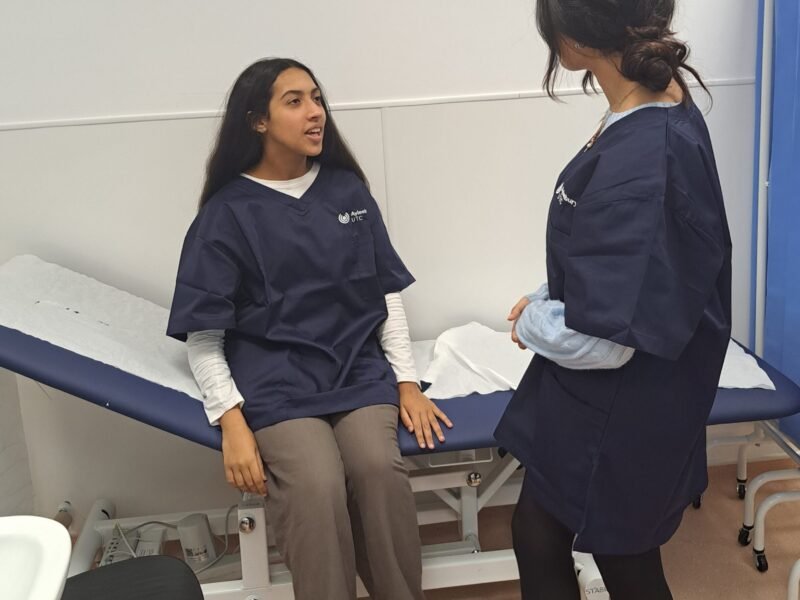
<point>540,295</point>
<point>542,328</point>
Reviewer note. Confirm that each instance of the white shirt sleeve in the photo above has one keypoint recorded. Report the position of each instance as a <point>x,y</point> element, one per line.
<point>210,369</point>
<point>395,340</point>
<point>541,327</point>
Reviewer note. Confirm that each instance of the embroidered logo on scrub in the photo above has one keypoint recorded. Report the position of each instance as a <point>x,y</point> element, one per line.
<point>352,216</point>
<point>562,197</point>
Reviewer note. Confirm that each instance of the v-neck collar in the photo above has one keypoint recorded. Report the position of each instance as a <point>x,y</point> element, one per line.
<point>300,204</point>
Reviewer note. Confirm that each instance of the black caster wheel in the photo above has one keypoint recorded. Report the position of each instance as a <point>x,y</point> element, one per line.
<point>761,561</point>
<point>741,488</point>
<point>697,502</point>
<point>744,535</point>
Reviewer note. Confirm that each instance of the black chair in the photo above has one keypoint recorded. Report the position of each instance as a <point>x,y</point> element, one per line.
<point>145,578</point>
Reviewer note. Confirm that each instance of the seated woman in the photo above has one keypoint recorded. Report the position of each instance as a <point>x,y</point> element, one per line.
<point>288,291</point>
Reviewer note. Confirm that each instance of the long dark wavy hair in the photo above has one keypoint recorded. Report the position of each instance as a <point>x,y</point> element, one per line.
<point>637,29</point>
<point>239,147</point>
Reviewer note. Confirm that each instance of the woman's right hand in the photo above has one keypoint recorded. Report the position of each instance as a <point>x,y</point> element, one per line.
<point>244,468</point>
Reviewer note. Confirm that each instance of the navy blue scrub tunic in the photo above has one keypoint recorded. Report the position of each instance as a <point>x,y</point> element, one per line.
<point>639,251</point>
<point>299,286</point>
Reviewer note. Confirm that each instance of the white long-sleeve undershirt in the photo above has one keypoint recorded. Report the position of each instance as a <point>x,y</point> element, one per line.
<point>210,369</point>
<point>212,373</point>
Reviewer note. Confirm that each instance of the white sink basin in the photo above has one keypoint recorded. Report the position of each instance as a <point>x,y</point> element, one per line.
<point>34,556</point>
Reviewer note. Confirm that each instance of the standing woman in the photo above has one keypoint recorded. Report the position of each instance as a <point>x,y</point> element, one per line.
<point>632,327</point>
<point>288,292</point>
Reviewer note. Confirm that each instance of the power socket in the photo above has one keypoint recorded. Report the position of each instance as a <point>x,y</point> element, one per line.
<point>116,550</point>
<point>151,541</point>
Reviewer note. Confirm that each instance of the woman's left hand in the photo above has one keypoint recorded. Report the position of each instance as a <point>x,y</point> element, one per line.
<point>513,316</point>
<point>420,415</point>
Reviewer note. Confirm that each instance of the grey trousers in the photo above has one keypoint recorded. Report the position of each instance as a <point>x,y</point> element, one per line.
<point>339,501</point>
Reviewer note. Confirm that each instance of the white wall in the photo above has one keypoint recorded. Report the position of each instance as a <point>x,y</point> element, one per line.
<point>109,109</point>
<point>89,58</point>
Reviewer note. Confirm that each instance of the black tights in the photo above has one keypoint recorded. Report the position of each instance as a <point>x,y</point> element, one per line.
<point>544,555</point>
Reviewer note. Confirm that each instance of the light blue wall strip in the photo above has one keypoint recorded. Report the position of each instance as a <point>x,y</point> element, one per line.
<point>756,158</point>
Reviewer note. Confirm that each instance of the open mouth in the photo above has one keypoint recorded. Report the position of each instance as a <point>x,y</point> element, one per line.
<point>314,134</point>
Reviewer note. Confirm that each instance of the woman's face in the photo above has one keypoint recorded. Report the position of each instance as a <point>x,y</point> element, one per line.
<point>296,115</point>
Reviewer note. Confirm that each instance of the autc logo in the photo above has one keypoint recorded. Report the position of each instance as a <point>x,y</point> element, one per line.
<point>561,196</point>
<point>352,216</point>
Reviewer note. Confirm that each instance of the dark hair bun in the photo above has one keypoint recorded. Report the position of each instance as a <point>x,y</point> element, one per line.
<point>652,57</point>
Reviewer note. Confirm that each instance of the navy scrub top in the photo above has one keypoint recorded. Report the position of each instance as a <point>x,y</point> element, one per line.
<point>638,249</point>
<point>299,286</point>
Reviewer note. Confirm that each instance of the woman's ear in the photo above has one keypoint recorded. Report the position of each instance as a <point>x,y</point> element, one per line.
<point>257,122</point>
